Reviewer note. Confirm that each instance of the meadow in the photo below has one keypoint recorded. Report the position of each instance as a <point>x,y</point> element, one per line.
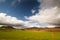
<point>28,35</point>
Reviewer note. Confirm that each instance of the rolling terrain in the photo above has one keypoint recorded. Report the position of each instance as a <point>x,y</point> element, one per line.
<point>30,34</point>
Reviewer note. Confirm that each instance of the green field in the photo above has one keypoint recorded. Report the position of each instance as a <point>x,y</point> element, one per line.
<point>28,35</point>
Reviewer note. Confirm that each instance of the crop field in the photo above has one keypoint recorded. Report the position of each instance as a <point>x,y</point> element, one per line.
<point>28,35</point>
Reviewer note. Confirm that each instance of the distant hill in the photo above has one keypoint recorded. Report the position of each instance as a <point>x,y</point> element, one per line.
<point>6,27</point>
<point>56,29</point>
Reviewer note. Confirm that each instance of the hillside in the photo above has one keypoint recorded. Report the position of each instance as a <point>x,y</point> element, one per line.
<point>56,29</point>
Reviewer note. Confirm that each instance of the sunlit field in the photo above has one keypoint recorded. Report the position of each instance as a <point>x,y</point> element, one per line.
<point>28,35</point>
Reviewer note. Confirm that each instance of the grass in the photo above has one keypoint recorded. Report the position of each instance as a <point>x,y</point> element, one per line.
<point>28,35</point>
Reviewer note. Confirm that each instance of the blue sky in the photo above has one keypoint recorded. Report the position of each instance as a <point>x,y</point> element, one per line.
<point>30,12</point>
<point>19,9</point>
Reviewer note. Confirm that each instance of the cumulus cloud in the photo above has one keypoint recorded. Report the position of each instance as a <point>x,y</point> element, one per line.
<point>33,11</point>
<point>49,13</point>
<point>13,21</point>
<point>32,24</point>
<point>9,20</point>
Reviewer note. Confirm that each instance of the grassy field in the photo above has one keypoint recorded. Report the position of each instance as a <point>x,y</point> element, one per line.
<point>28,35</point>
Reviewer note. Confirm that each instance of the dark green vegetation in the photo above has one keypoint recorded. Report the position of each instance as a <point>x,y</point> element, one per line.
<point>28,35</point>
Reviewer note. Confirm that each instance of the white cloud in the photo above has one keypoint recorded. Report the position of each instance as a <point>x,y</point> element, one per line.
<point>9,20</point>
<point>49,13</point>
<point>51,26</point>
<point>33,11</point>
<point>46,16</point>
<point>34,24</point>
